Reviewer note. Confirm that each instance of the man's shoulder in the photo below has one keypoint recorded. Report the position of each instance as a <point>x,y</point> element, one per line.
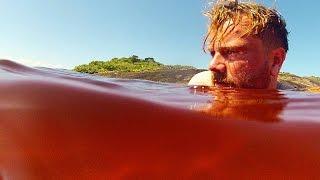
<point>204,78</point>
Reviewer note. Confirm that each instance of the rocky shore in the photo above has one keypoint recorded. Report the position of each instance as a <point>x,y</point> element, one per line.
<point>182,76</point>
<point>149,69</point>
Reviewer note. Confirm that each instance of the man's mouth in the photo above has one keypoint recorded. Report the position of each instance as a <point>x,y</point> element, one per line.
<point>220,80</point>
<point>222,84</point>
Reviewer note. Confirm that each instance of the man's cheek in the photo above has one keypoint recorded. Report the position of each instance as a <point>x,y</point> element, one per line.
<point>239,68</point>
<point>255,60</point>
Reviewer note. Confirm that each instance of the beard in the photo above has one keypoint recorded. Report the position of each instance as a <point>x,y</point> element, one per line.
<point>244,79</point>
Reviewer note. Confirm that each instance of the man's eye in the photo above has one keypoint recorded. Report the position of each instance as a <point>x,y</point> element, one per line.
<point>232,52</point>
<point>235,53</point>
<point>241,52</point>
<point>227,53</point>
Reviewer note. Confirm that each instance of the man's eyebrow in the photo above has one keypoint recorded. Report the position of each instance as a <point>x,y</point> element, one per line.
<point>228,48</point>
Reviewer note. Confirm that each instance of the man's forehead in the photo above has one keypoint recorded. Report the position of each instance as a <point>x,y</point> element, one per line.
<point>232,34</point>
<point>234,26</point>
<point>245,41</point>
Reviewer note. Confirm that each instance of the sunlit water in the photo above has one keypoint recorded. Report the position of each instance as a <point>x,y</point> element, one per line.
<point>287,104</point>
<point>62,124</point>
<point>284,105</point>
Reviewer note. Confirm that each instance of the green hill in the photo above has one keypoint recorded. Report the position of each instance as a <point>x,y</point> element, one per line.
<point>135,68</point>
<point>126,65</point>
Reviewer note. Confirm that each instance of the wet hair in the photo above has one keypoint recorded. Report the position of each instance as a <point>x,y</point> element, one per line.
<point>265,23</point>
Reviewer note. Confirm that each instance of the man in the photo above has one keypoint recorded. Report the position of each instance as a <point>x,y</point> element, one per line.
<point>248,43</point>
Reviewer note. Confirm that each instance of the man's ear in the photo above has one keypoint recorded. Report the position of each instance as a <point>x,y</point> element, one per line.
<point>278,56</point>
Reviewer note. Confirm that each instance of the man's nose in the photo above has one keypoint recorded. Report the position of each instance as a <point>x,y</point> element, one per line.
<point>217,64</point>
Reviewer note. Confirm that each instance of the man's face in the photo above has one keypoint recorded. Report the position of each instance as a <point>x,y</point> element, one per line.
<point>241,62</point>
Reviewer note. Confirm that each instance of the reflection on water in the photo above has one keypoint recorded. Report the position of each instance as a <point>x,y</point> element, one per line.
<point>58,124</point>
<point>242,104</point>
<point>259,105</point>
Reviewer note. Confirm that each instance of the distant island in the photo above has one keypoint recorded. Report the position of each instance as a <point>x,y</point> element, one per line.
<point>149,69</point>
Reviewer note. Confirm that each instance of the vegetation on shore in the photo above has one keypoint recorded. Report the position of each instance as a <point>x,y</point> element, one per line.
<point>135,68</point>
<point>299,83</point>
<point>126,65</point>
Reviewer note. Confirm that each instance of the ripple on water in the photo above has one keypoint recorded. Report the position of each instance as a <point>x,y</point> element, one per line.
<point>60,124</point>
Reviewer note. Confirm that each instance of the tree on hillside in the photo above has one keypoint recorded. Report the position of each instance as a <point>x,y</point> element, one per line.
<point>130,64</point>
<point>149,59</point>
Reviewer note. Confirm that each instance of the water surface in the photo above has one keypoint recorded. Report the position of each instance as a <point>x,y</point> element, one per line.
<point>58,124</point>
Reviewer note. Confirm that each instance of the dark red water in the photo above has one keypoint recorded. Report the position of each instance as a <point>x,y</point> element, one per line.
<point>57,124</point>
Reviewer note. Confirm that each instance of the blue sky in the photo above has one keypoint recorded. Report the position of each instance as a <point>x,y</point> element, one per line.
<point>56,33</point>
